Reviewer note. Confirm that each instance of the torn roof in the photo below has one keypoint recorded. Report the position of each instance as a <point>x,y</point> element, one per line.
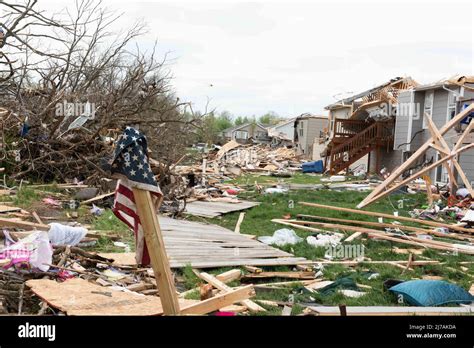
<point>347,101</point>
<point>456,80</point>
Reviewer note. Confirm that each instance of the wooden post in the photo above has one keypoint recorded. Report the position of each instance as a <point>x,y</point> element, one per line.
<point>156,248</point>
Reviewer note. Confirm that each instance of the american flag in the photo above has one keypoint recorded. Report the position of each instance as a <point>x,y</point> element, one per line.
<point>130,165</point>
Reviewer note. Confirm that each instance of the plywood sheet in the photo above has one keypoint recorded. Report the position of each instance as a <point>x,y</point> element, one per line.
<point>80,297</point>
<point>214,209</point>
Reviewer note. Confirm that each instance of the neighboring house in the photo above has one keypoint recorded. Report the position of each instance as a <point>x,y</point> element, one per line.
<point>442,101</point>
<point>307,129</point>
<point>283,133</point>
<point>362,128</point>
<point>247,133</point>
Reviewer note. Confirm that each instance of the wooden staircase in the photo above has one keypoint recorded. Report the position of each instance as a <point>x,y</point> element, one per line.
<point>354,141</point>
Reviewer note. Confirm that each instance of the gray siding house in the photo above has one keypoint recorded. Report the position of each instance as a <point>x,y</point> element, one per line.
<point>308,129</point>
<point>246,133</point>
<point>442,101</point>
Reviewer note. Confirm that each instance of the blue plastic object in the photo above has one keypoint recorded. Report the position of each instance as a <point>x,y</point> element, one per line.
<point>431,293</point>
<point>313,167</point>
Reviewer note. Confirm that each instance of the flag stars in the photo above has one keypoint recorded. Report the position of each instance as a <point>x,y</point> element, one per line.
<point>127,164</point>
<point>133,172</point>
<point>135,157</point>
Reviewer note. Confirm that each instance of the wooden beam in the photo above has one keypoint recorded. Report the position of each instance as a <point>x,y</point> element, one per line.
<point>239,222</point>
<point>215,303</point>
<point>156,248</point>
<point>388,216</point>
<point>438,139</point>
<point>411,160</point>
<point>23,224</point>
<point>418,174</point>
<point>417,230</point>
<point>252,306</point>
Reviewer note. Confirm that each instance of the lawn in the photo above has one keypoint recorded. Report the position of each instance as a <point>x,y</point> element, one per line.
<point>258,222</point>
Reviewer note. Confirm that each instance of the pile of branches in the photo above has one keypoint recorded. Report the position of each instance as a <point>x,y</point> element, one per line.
<point>68,87</point>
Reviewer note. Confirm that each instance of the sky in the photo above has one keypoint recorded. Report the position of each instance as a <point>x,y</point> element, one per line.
<point>292,57</point>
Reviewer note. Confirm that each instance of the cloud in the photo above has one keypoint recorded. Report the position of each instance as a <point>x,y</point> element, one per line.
<point>293,57</point>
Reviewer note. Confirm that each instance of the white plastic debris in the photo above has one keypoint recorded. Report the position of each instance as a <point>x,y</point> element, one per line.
<point>95,210</point>
<point>281,237</point>
<point>60,234</point>
<point>324,240</point>
<point>337,178</point>
<point>278,189</point>
<point>33,249</point>
<point>373,276</point>
<point>123,245</point>
<point>351,293</point>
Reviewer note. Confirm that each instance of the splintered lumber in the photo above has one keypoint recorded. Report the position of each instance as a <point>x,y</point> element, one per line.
<point>379,192</point>
<point>405,239</point>
<point>98,198</point>
<point>217,302</point>
<point>225,277</point>
<point>7,209</point>
<point>417,230</point>
<point>253,269</point>
<point>291,275</point>
<point>252,306</point>
<point>156,247</point>
<point>23,224</point>
<point>214,209</point>
<point>391,311</point>
<point>226,148</point>
<point>229,276</point>
<point>353,236</point>
<point>356,263</point>
<point>388,216</point>
<point>239,222</point>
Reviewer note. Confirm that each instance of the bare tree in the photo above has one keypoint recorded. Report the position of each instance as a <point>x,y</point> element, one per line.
<point>73,58</point>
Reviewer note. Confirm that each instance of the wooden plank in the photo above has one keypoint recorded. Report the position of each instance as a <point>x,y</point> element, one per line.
<point>215,303</point>
<point>388,216</point>
<point>417,230</point>
<point>239,222</point>
<point>291,275</point>
<point>98,198</point>
<point>23,224</point>
<point>252,306</point>
<point>229,276</point>
<point>8,209</point>
<point>156,249</point>
<point>214,209</point>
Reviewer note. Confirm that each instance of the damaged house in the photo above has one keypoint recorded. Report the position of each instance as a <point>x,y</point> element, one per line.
<point>362,128</point>
<point>308,130</point>
<point>251,132</point>
<point>441,101</point>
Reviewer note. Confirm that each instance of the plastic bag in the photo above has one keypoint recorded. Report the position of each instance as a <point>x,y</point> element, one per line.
<point>60,234</point>
<point>33,251</point>
<point>281,237</point>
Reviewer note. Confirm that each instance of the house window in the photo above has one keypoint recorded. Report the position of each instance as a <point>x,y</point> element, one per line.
<point>301,130</point>
<point>241,134</point>
<point>428,107</point>
<point>451,105</point>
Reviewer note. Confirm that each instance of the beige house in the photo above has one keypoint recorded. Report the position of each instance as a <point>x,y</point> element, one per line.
<point>308,130</point>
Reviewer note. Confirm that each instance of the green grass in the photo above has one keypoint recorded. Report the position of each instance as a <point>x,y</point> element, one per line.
<point>258,222</point>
